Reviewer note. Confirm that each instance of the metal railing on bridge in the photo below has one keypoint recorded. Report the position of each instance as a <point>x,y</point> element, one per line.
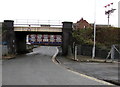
<point>38,25</point>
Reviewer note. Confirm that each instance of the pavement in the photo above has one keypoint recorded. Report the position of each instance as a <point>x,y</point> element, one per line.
<point>98,68</point>
<point>37,68</point>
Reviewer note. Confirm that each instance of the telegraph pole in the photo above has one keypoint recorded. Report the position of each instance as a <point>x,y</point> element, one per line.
<point>109,11</point>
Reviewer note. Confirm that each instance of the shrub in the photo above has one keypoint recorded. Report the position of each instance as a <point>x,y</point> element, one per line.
<point>105,37</point>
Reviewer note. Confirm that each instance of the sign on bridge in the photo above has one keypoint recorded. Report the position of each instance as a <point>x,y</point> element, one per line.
<point>45,39</point>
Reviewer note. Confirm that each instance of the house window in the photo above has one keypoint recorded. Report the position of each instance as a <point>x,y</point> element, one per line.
<point>84,26</point>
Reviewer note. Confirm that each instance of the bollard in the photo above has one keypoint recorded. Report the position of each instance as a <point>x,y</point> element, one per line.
<point>75,53</point>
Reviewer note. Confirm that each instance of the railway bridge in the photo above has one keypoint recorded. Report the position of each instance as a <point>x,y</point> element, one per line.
<point>42,34</point>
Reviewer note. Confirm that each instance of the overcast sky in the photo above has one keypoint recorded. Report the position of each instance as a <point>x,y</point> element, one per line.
<point>64,10</point>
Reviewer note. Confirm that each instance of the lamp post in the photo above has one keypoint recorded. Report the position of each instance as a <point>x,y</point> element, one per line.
<point>109,11</point>
<point>93,50</point>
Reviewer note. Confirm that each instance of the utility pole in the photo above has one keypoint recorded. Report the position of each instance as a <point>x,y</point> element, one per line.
<point>109,11</point>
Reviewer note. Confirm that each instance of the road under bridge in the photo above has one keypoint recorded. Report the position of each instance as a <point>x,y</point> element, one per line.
<point>16,35</point>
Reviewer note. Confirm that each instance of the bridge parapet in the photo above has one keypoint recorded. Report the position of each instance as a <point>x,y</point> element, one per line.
<point>38,29</point>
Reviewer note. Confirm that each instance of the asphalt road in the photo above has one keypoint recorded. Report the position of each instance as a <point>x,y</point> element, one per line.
<point>37,68</point>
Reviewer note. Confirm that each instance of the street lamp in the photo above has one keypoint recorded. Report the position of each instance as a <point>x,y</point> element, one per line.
<point>109,11</point>
<point>93,50</point>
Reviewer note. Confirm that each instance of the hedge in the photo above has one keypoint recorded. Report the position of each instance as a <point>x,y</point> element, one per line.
<point>105,37</point>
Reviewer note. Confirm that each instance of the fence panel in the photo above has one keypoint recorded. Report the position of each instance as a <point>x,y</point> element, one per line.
<point>86,50</point>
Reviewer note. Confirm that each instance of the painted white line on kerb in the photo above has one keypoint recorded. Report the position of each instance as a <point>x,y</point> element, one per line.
<point>92,78</point>
<point>53,58</point>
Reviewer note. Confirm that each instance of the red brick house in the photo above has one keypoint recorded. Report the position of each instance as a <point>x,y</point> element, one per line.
<point>81,24</point>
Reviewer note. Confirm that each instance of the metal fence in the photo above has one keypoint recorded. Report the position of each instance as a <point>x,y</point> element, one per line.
<point>86,50</point>
<point>34,22</point>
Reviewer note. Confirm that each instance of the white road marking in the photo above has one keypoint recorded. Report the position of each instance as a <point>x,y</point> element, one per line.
<point>92,78</point>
